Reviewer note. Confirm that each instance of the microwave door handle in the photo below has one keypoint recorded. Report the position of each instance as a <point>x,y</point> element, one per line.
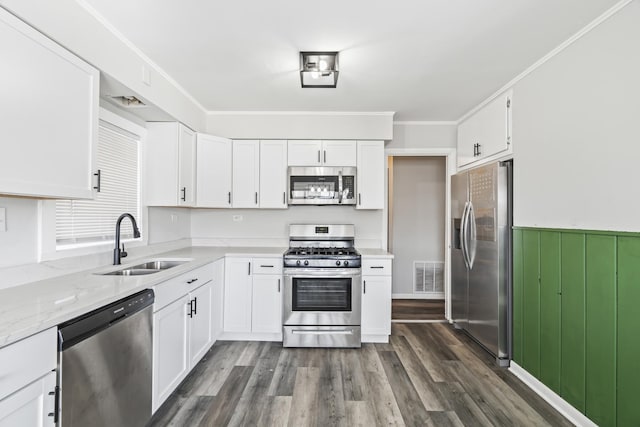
<point>339,186</point>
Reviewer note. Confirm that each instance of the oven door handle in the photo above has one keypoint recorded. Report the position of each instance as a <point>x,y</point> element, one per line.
<point>330,332</point>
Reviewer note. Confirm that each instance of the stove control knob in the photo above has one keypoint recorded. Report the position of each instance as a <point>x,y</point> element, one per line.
<point>306,262</point>
<point>298,262</point>
<point>346,263</point>
<point>337,262</point>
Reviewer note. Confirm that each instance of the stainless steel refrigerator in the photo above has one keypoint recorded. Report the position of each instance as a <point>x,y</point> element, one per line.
<point>481,206</point>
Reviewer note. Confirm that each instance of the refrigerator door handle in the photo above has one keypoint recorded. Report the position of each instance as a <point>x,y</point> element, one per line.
<point>463,235</point>
<point>471,222</point>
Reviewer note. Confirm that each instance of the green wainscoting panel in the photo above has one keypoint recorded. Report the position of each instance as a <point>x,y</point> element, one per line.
<point>628,403</point>
<point>531,302</point>
<point>550,289</point>
<point>572,370</point>
<point>517,296</point>
<point>601,329</point>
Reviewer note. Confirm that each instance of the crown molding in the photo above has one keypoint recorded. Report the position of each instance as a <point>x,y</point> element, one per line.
<point>427,123</point>
<point>301,113</point>
<point>585,30</point>
<point>113,30</point>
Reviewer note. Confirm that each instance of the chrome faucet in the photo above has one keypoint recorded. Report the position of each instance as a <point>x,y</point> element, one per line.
<point>117,253</point>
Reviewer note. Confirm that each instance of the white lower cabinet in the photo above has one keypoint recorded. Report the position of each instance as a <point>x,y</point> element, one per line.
<point>182,329</point>
<point>31,406</point>
<point>253,298</point>
<point>170,363</point>
<point>28,381</point>
<point>376,300</point>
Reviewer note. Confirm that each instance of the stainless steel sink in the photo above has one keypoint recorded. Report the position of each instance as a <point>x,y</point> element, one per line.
<point>148,267</point>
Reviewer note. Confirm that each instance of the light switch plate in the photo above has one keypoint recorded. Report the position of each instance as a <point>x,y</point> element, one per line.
<point>3,219</point>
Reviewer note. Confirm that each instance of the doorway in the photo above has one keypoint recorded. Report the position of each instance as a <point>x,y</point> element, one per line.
<point>417,207</point>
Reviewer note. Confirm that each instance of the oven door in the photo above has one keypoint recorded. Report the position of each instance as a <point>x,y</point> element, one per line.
<point>322,297</point>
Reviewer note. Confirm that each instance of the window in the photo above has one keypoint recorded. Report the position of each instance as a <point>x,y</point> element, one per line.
<point>81,222</point>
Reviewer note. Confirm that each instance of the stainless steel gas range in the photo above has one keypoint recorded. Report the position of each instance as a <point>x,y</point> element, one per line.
<point>322,287</point>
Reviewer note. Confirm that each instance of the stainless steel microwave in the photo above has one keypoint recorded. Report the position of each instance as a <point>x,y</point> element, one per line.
<point>321,185</point>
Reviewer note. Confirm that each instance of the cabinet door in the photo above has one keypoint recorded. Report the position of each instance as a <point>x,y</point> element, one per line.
<point>161,155</point>
<point>48,116</point>
<point>376,305</point>
<point>187,167</point>
<point>273,174</point>
<point>237,295</point>
<point>217,299</point>
<point>339,153</point>
<point>493,124</point>
<point>170,360</point>
<point>266,313</point>
<point>200,337</point>
<point>246,174</point>
<point>213,171</point>
<point>371,170</point>
<point>31,405</point>
<point>466,142</point>
<point>304,153</point>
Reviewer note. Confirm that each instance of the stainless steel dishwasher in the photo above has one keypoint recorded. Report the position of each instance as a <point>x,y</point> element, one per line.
<point>104,373</point>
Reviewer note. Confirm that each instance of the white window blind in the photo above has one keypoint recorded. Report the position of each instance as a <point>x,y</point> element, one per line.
<point>86,221</point>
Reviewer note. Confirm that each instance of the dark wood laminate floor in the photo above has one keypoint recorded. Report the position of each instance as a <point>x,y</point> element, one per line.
<point>428,375</point>
<point>417,309</point>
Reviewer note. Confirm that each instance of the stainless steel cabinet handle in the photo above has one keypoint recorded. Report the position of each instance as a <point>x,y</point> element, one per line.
<point>229,197</point>
<point>360,198</point>
<point>98,175</point>
<point>190,313</point>
<point>364,282</point>
<point>508,121</point>
<point>256,197</point>
<point>195,305</point>
<point>278,285</point>
<point>266,266</point>
<point>284,197</point>
<point>249,271</point>
<point>377,266</point>
<point>325,156</point>
<point>318,156</point>
<point>184,194</point>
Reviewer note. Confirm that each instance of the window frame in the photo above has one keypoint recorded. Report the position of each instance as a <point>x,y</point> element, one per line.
<point>47,245</point>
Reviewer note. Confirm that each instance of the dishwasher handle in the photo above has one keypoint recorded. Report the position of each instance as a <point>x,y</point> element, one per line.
<point>83,327</point>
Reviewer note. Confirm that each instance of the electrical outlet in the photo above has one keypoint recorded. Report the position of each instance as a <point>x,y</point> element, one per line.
<point>3,220</point>
<point>237,218</point>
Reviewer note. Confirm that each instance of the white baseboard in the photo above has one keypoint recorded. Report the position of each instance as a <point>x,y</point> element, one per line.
<point>375,338</point>
<point>428,295</point>
<point>249,336</point>
<point>560,405</point>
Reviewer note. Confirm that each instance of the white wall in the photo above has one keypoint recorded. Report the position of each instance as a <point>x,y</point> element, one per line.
<point>423,135</point>
<point>301,125</point>
<point>418,224</point>
<point>270,227</point>
<point>19,244</point>
<point>168,224</point>
<point>72,26</point>
<point>576,130</point>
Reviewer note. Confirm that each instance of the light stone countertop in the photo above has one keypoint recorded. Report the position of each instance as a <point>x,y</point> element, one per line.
<point>31,308</point>
<point>375,253</point>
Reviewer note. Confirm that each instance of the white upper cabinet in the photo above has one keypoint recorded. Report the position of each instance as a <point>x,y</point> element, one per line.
<point>48,116</point>
<point>170,164</point>
<point>213,171</point>
<point>370,172</point>
<point>321,153</point>
<point>246,174</point>
<point>339,153</point>
<point>487,132</point>
<point>273,174</point>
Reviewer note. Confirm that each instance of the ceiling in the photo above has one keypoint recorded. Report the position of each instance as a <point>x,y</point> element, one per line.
<point>426,60</point>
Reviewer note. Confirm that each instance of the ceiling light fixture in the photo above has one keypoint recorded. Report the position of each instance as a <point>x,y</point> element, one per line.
<point>319,69</point>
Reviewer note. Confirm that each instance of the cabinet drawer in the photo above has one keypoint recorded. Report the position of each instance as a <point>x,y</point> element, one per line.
<point>266,265</point>
<point>25,361</point>
<point>376,267</point>
<point>172,289</point>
